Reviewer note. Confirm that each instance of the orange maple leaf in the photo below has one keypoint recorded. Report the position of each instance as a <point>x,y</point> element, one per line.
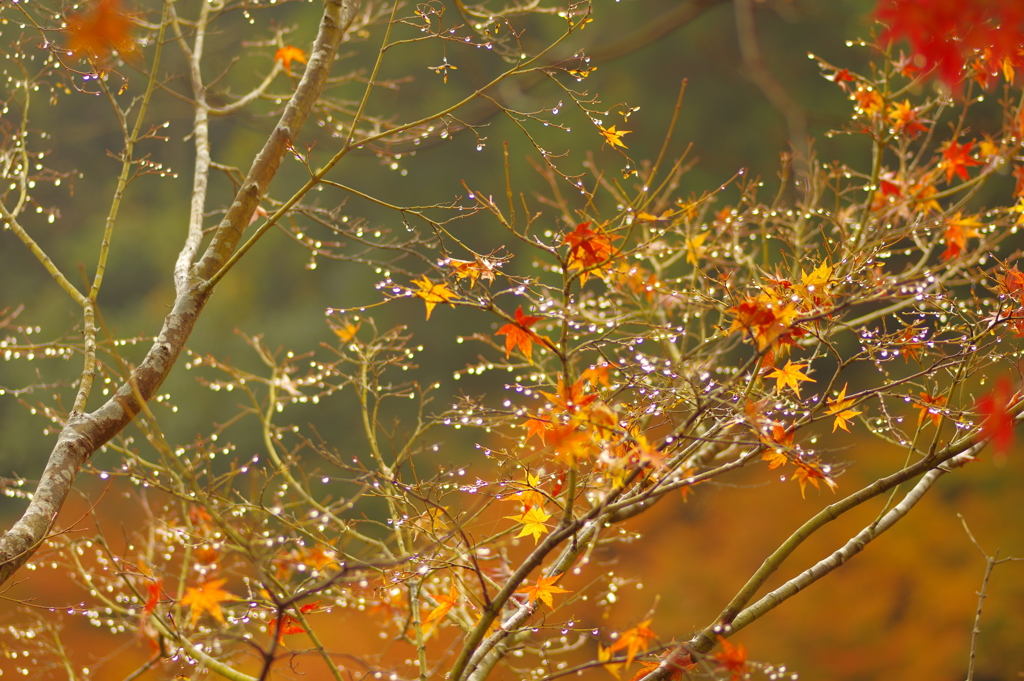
<point>519,335</point>
<point>840,408</point>
<point>446,603</point>
<point>733,658</point>
<point>782,439</point>
<point>569,399</point>
<point>544,589</point>
<point>930,406</point>
<point>789,375</point>
<point>905,120</point>
<point>287,54</point>
<point>481,268</point>
<point>868,101</point>
<point>810,473</point>
<point>207,599</point>
<point>98,33</point>
<point>634,640</point>
<point>956,159</point>
<point>598,374</point>
<point>958,230</point>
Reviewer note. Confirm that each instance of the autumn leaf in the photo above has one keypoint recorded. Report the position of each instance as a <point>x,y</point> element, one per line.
<point>905,120</point>
<point>789,375</point>
<point>598,374</point>
<point>958,230</point>
<point>519,335</point>
<point>529,496</point>
<point>998,423</point>
<point>810,473</point>
<point>289,626</point>
<point>287,54</point>
<point>347,331</point>
<point>780,439</point>
<point>930,406</point>
<point>153,590</point>
<point>634,641</point>
<point>956,159</point>
<point>538,427</point>
<point>731,658</point>
<point>589,250</point>
<point>569,442</point>
<point>840,77</point>
<point>840,407</point>
<point>434,294</point>
<point>544,589</point>
<point>447,602</point>
<point>613,136</point>
<point>207,599</point>
<point>533,521</point>
<point>481,268</point>
<point>677,664</point>
<point>569,398</point>
<point>98,33</point>
<point>868,101</point>
<point>605,654</point>
<point>695,248</point>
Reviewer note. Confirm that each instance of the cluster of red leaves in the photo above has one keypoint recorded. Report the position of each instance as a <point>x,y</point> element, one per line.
<point>947,35</point>
<point>590,250</point>
<point>103,30</point>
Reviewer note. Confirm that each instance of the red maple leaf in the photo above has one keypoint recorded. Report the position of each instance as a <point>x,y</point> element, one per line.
<point>519,335</point>
<point>998,422</point>
<point>956,159</point>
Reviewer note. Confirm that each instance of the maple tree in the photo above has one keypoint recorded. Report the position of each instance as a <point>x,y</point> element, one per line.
<point>628,340</point>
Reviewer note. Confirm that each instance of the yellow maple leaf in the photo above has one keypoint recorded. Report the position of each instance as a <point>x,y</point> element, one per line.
<point>287,54</point>
<point>434,294</point>
<point>789,375</point>
<point>605,654</point>
<point>533,520</point>
<point>840,407</point>
<point>613,136</point>
<point>695,248</point>
<point>346,332</point>
<point>207,598</point>
<point>543,590</point>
